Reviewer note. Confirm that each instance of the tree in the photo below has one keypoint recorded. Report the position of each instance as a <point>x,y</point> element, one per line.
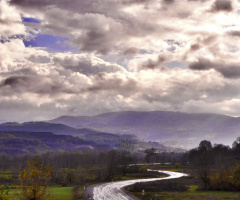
<point>125,148</point>
<point>150,153</point>
<point>202,160</point>
<point>205,145</point>
<point>236,148</point>
<point>236,143</point>
<point>33,181</point>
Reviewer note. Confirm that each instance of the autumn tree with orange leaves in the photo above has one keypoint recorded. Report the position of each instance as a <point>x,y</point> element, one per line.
<point>33,181</point>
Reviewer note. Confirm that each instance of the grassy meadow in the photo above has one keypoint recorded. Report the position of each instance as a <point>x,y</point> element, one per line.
<point>55,193</point>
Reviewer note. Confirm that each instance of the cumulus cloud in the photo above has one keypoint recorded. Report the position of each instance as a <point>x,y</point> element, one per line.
<point>10,22</point>
<point>234,33</point>
<point>33,84</point>
<point>151,64</point>
<point>228,70</point>
<point>168,1</point>
<point>132,56</point>
<point>222,5</point>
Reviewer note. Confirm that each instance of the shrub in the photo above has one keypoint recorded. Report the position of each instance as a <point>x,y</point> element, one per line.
<point>221,180</point>
<point>4,193</point>
<point>143,169</point>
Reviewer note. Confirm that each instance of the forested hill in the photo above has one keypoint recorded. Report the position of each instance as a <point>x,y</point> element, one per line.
<point>40,142</point>
<point>171,128</point>
<point>102,140</point>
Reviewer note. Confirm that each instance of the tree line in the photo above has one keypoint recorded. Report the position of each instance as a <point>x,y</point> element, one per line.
<point>218,165</point>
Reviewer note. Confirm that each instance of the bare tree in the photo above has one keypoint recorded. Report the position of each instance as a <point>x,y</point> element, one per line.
<point>125,149</point>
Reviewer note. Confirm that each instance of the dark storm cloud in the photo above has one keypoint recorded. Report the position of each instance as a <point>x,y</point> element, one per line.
<point>231,71</point>
<point>201,65</point>
<point>168,1</point>
<point>34,3</point>
<point>81,6</point>
<point>16,81</point>
<point>198,0</point>
<point>134,1</point>
<point>33,84</point>
<point>234,33</point>
<point>222,5</point>
<point>91,6</point>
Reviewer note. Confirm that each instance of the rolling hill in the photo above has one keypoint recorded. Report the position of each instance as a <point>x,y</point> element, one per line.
<point>101,139</point>
<point>19,142</point>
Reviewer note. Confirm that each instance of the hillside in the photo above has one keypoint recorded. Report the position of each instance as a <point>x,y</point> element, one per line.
<point>102,139</point>
<point>39,142</point>
<point>171,128</point>
<point>38,127</point>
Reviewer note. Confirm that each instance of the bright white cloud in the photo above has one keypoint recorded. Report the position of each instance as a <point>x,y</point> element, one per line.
<point>126,50</point>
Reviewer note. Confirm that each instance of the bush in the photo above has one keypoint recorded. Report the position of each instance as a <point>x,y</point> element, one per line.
<point>221,180</point>
<point>4,193</point>
<point>143,169</point>
<point>236,178</point>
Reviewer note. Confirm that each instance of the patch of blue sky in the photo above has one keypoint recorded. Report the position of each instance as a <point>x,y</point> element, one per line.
<point>54,43</point>
<point>30,20</point>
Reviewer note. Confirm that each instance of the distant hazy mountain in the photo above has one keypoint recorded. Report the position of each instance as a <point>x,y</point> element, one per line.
<point>102,139</point>
<point>178,129</point>
<point>38,127</point>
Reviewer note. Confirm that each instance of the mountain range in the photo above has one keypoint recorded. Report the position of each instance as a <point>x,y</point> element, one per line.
<point>32,137</point>
<point>176,129</point>
<point>165,131</point>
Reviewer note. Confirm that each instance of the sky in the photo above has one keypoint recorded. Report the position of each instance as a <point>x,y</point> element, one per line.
<point>72,57</point>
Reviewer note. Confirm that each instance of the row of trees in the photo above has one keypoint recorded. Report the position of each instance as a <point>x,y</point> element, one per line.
<point>218,166</point>
<point>76,167</point>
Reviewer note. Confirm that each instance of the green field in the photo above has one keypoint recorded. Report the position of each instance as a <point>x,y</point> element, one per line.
<point>56,193</point>
<point>61,193</point>
<point>6,174</point>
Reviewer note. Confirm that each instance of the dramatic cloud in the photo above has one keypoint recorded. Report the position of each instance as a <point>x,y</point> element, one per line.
<point>121,55</point>
<point>226,69</point>
<point>10,22</point>
<point>33,84</point>
<point>222,5</point>
<point>168,1</point>
<point>234,33</point>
